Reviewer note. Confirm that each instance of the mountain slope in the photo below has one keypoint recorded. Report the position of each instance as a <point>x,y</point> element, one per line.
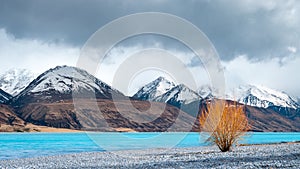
<point>15,80</point>
<point>62,82</point>
<point>262,119</point>
<point>86,116</point>
<point>270,120</point>
<point>179,94</point>
<point>4,97</point>
<point>8,117</point>
<point>154,89</point>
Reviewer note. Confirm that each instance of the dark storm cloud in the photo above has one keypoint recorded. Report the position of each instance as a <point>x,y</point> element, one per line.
<point>258,29</point>
<point>72,21</point>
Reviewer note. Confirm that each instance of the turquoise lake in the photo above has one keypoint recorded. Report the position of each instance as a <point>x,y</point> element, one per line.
<point>24,145</point>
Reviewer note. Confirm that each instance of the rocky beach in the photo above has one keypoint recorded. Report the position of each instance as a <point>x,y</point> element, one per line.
<point>283,155</point>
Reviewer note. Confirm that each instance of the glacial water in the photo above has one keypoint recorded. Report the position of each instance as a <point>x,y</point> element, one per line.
<point>24,145</point>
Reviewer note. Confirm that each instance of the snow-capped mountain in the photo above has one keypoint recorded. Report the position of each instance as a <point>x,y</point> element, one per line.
<point>162,90</point>
<point>206,92</point>
<point>60,82</point>
<point>14,81</point>
<point>260,96</point>
<point>154,89</point>
<point>4,97</point>
<point>179,94</point>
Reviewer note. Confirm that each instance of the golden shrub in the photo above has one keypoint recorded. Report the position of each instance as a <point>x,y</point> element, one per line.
<point>225,123</point>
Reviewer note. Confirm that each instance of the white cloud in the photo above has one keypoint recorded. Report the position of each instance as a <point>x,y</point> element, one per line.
<point>38,56</point>
<point>120,55</point>
<point>34,55</point>
<point>276,73</point>
<point>292,49</point>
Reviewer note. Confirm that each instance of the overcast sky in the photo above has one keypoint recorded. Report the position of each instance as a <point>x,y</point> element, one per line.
<point>258,41</point>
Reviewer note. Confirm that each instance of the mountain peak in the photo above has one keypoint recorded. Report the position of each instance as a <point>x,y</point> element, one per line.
<point>60,82</point>
<point>162,90</point>
<point>154,89</point>
<point>160,78</point>
<point>206,92</point>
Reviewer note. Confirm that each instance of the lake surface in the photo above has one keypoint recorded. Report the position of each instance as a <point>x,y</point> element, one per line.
<point>23,145</point>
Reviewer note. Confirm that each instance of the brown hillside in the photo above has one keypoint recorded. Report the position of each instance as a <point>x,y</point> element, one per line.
<point>8,117</point>
<point>86,116</point>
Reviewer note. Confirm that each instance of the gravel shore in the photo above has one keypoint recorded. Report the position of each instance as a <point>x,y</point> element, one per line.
<point>286,155</point>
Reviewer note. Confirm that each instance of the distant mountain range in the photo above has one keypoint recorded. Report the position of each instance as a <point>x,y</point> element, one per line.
<point>48,100</point>
<point>259,96</point>
<point>256,96</point>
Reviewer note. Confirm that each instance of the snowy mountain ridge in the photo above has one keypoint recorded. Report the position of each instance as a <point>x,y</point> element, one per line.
<point>14,81</point>
<point>261,96</point>
<point>257,96</point>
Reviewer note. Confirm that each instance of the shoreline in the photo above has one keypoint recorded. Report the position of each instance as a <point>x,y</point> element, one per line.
<point>280,155</point>
<point>31,128</point>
